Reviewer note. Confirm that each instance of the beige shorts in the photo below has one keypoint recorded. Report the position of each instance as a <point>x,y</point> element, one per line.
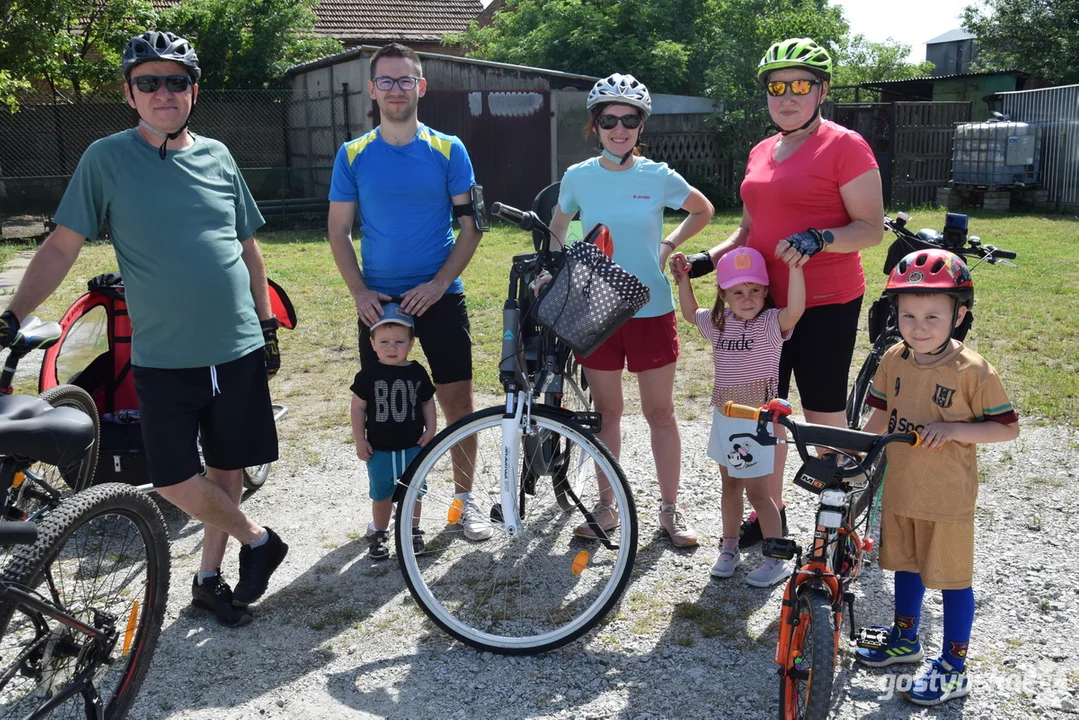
<point>942,552</point>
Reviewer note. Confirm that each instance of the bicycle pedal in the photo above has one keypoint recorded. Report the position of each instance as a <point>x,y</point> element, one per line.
<point>874,638</point>
<point>779,548</point>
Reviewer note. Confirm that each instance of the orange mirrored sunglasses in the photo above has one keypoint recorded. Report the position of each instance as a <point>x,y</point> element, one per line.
<point>778,88</point>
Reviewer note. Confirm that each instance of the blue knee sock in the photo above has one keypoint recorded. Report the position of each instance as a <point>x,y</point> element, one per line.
<point>909,591</point>
<point>958,619</point>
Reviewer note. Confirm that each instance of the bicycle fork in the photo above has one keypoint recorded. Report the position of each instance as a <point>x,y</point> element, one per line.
<point>514,420</point>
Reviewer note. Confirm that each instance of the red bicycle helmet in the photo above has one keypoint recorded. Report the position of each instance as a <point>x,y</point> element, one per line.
<point>932,271</point>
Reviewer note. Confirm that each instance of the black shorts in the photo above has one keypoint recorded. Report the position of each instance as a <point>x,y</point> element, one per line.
<point>819,353</point>
<point>445,336</point>
<point>234,420</point>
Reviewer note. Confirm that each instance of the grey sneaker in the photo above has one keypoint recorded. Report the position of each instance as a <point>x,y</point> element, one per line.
<point>727,562</point>
<point>474,522</point>
<point>606,516</point>
<point>673,521</point>
<point>769,573</point>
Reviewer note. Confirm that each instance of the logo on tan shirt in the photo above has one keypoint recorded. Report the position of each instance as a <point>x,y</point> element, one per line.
<point>943,396</point>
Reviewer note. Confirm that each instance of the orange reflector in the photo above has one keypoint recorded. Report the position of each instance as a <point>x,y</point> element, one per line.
<point>580,560</point>
<point>454,515</point>
<point>132,622</point>
<point>867,544</point>
<point>17,482</point>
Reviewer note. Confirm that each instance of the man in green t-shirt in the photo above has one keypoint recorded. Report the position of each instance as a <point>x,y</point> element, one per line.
<point>182,222</point>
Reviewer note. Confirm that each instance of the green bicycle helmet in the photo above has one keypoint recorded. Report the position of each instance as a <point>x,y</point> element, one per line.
<point>795,52</point>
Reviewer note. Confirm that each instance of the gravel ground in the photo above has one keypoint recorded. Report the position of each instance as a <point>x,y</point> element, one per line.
<point>338,636</point>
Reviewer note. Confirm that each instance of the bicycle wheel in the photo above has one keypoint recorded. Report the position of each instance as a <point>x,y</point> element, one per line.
<point>102,557</point>
<point>518,595</point>
<point>868,498</point>
<point>41,482</point>
<point>255,476</point>
<point>805,686</point>
<point>858,410</point>
<point>570,472</point>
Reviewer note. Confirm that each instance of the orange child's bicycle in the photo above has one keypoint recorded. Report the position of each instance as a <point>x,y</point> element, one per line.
<point>820,589</point>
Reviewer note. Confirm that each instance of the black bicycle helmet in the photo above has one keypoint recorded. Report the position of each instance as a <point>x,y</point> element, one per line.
<point>156,45</point>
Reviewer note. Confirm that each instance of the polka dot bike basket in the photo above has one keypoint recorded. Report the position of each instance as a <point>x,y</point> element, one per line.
<point>590,296</point>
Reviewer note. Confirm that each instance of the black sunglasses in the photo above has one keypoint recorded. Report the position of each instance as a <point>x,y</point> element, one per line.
<point>152,83</point>
<point>629,122</point>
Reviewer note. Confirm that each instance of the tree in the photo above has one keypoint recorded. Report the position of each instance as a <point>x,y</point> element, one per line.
<point>1040,37</point>
<point>245,44</point>
<point>674,46</point>
<point>72,46</point>
<point>864,61</point>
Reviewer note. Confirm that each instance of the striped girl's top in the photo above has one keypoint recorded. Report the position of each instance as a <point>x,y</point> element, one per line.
<point>746,356</point>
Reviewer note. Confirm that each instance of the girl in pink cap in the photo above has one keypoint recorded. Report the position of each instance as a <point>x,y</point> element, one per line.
<point>747,333</point>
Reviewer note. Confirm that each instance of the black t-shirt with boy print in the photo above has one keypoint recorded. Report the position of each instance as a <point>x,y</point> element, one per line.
<point>394,394</point>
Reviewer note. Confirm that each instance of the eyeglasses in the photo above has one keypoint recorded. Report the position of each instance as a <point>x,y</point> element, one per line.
<point>629,122</point>
<point>406,83</point>
<point>173,83</point>
<point>778,88</point>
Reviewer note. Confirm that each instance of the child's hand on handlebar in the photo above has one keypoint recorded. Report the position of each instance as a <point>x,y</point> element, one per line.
<point>369,305</point>
<point>9,328</point>
<point>935,435</point>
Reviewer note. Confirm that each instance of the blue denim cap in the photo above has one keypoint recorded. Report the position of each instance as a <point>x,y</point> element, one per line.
<point>392,313</point>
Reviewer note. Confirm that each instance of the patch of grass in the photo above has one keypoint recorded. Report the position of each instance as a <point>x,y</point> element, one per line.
<point>9,249</point>
<point>1031,337</point>
<point>724,622</point>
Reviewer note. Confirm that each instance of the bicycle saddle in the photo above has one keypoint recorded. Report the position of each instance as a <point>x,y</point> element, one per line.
<point>36,335</point>
<point>32,428</point>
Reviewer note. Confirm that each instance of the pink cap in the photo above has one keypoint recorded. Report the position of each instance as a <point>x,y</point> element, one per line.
<point>741,265</point>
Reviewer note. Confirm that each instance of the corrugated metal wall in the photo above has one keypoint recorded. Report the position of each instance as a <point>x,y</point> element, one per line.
<point>1056,110</point>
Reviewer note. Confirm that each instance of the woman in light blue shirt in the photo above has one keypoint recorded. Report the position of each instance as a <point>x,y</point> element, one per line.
<point>628,193</point>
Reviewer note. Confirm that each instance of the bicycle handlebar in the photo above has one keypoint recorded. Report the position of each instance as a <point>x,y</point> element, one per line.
<point>973,247</point>
<point>805,434</point>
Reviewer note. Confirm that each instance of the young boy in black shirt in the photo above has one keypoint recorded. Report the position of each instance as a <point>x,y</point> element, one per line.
<point>393,416</point>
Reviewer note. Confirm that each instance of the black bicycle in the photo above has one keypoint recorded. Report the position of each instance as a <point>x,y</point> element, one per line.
<point>538,467</point>
<point>38,485</point>
<point>82,597</point>
<point>884,325</point>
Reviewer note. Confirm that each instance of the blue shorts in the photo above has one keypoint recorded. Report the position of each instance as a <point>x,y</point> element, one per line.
<point>385,468</point>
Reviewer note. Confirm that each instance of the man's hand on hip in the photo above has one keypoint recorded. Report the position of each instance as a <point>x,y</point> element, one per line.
<point>369,304</point>
<point>420,298</point>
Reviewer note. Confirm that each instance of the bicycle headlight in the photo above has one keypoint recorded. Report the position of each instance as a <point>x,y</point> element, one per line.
<point>833,498</point>
<point>830,518</point>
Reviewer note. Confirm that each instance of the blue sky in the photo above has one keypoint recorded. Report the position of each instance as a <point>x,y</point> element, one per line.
<point>911,21</point>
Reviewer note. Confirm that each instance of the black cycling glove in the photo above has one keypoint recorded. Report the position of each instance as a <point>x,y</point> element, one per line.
<point>700,264</point>
<point>9,328</point>
<point>270,349</point>
<point>808,242</point>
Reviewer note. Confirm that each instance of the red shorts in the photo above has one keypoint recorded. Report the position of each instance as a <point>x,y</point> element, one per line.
<point>641,344</point>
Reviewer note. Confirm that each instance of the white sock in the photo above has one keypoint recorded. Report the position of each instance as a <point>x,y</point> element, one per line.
<point>204,576</point>
<point>262,540</point>
<point>463,497</point>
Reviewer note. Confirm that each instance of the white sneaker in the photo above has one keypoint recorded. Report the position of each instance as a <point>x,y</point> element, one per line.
<point>476,525</point>
<point>768,574</point>
<point>726,563</point>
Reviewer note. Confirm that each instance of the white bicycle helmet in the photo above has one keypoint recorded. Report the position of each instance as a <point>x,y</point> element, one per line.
<point>621,89</point>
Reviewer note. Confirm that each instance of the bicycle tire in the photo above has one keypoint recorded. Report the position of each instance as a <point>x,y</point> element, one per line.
<point>805,689</point>
<point>477,591</point>
<point>255,476</point>
<point>858,410</point>
<point>128,578</point>
<point>867,499</point>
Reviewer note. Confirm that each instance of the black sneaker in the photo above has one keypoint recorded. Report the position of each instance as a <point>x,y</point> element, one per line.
<point>256,567</point>
<point>215,595</point>
<point>749,532</point>
<point>379,547</point>
<point>418,547</point>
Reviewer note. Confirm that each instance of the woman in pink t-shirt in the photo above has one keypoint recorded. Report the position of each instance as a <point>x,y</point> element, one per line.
<point>811,197</point>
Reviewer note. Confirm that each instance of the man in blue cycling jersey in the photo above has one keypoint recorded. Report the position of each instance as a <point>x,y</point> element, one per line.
<point>182,222</point>
<point>407,182</point>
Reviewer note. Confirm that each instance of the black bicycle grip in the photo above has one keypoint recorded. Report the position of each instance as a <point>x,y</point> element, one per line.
<point>508,213</point>
<point>18,533</point>
<point>1004,254</point>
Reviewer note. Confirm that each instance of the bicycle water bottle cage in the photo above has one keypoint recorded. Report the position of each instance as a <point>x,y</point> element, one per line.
<point>816,474</point>
<point>779,548</point>
<point>874,638</point>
